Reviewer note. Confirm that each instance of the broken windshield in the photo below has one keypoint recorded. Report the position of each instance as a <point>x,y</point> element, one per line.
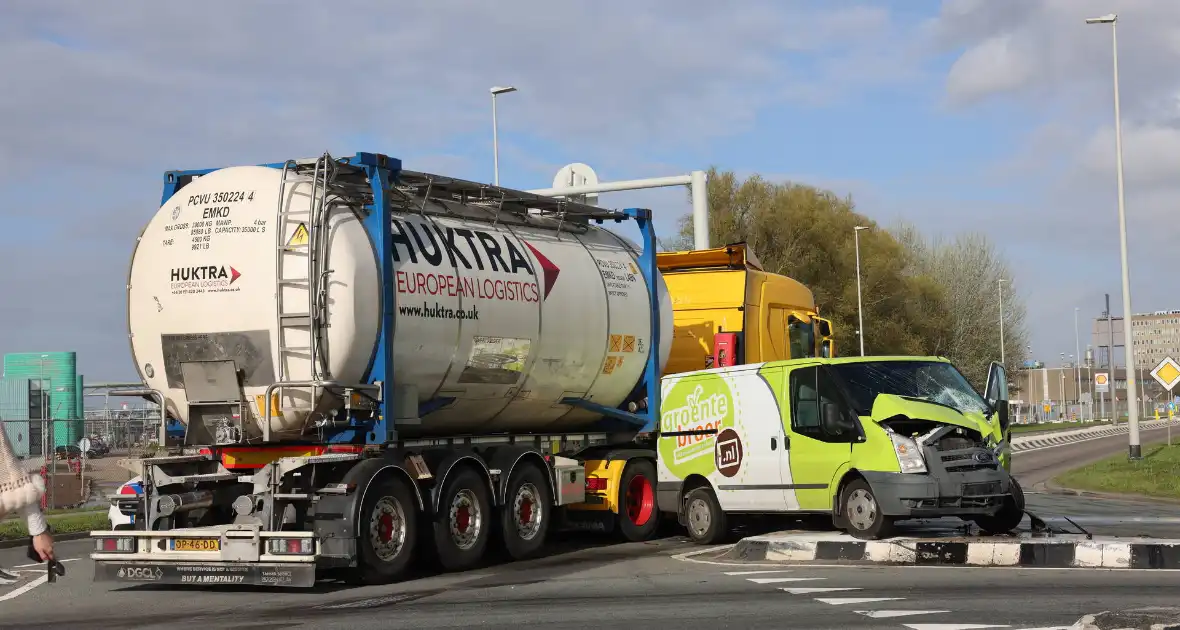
<point>932,381</point>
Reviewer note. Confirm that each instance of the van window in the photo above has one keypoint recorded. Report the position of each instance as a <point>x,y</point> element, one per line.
<point>811,388</point>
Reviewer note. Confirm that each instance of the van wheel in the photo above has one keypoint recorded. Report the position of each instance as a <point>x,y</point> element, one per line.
<point>524,517</point>
<point>1009,516</point>
<point>387,532</point>
<point>462,521</point>
<point>638,515</point>
<point>706,522</point>
<point>861,512</point>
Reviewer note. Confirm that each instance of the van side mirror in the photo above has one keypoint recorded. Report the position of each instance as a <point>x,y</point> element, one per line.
<point>826,350</point>
<point>834,422</point>
<point>1002,415</point>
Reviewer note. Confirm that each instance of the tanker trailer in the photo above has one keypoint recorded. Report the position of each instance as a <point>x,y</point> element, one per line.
<point>365,357</point>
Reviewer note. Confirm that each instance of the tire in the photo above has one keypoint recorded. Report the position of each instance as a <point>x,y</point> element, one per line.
<point>463,521</point>
<point>639,517</point>
<point>860,512</point>
<point>706,522</point>
<point>387,531</point>
<point>1009,516</point>
<point>527,510</point>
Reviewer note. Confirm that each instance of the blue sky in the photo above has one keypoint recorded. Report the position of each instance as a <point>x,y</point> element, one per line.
<point>990,115</point>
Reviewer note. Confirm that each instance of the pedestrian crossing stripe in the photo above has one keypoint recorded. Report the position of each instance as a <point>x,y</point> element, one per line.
<point>300,236</point>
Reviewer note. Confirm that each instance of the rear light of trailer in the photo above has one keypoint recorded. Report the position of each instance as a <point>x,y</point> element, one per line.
<point>595,484</point>
<point>114,544</point>
<point>290,546</point>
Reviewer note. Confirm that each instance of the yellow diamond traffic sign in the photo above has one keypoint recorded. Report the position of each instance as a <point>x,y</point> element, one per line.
<point>1167,373</point>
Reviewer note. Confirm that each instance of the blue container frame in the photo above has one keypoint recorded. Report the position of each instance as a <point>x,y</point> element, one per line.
<point>382,173</point>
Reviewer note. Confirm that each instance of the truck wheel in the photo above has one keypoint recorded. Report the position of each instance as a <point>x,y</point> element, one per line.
<point>861,513</point>
<point>706,522</point>
<point>638,515</point>
<point>1009,516</point>
<point>524,518</point>
<point>388,531</point>
<point>462,521</point>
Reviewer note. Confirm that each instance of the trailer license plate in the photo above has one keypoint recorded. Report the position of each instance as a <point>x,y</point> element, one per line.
<point>196,544</point>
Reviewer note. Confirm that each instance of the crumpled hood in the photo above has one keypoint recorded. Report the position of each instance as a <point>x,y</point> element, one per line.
<point>887,406</point>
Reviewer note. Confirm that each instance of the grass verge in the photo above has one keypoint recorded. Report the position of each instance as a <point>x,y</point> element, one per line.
<point>67,523</point>
<point>1156,475</point>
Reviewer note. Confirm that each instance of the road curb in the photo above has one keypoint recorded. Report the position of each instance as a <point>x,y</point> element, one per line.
<point>1037,441</point>
<point>1053,488</point>
<point>1056,555</point>
<point>21,542</point>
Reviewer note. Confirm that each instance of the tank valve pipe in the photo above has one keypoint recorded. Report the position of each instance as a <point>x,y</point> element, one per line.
<point>169,504</point>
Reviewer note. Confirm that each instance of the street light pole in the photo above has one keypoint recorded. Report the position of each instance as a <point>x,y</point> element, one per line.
<point>1135,449</point>
<point>860,313</point>
<point>496,91</point>
<point>1077,367</point>
<point>1000,289</point>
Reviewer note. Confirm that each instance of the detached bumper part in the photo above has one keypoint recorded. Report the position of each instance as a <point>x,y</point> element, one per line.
<point>294,575</point>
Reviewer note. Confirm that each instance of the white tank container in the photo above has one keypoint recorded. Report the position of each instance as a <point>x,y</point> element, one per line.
<point>505,319</point>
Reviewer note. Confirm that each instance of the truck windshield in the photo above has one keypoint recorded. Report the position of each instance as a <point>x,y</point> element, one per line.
<point>933,381</point>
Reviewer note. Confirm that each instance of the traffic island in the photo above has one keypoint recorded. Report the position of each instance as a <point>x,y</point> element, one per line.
<point>1156,476</point>
<point>1060,551</point>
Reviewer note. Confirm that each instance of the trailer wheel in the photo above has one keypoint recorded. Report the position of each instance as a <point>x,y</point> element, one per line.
<point>462,521</point>
<point>1008,517</point>
<point>861,512</point>
<point>388,531</point>
<point>706,521</point>
<point>638,515</point>
<point>524,517</point>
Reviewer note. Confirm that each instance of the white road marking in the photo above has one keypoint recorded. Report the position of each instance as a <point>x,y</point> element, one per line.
<point>777,580</point>
<point>40,564</point>
<point>841,601</point>
<point>951,626</point>
<point>805,591</point>
<point>25,589</point>
<point>754,572</point>
<point>889,614</point>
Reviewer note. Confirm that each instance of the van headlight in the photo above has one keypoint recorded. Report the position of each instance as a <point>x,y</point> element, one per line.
<point>909,455</point>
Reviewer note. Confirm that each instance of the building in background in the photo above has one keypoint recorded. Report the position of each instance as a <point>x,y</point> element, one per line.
<point>1156,335</point>
<point>41,402</point>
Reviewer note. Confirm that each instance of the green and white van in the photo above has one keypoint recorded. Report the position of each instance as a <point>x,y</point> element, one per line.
<point>866,440</point>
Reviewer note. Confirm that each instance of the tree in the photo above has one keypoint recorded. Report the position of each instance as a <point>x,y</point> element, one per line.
<point>807,233</point>
<point>968,268</point>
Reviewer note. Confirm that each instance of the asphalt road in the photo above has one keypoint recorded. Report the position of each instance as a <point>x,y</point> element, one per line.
<point>609,586</point>
<point>592,582</point>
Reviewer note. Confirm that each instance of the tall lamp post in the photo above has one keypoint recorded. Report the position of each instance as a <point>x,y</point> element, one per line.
<point>1077,367</point>
<point>496,91</point>
<point>860,314</point>
<point>1135,450</point>
<point>1000,289</point>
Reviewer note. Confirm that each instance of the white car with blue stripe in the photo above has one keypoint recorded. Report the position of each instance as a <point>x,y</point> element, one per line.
<point>119,520</point>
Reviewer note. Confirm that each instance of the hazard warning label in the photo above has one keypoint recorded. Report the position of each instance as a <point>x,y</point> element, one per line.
<point>300,237</point>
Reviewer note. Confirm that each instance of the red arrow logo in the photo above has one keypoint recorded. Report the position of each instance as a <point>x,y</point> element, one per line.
<point>233,275</point>
<point>549,271</point>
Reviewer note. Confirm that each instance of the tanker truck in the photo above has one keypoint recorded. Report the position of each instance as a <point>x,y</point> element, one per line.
<point>372,362</point>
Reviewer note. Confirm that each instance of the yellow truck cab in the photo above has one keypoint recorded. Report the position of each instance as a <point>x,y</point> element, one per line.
<point>865,440</point>
<point>729,311</point>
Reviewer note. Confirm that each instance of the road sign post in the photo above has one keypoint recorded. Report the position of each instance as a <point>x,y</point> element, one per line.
<point>1167,374</point>
<point>1102,386</point>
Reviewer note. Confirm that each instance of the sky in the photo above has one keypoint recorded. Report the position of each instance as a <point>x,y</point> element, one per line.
<point>963,115</point>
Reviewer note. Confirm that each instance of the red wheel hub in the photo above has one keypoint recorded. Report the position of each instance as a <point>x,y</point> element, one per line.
<point>385,527</point>
<point>640,500</point>
<point>462,518</point>
<point>526,511</point>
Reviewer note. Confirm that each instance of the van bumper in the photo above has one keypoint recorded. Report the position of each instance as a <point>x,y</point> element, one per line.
<point>979,492</point>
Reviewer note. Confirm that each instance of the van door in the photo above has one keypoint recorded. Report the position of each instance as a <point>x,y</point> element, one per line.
<point>815,454</point>
<point>748,473</point>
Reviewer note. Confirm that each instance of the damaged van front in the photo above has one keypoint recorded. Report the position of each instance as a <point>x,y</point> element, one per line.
<point>931,446</point>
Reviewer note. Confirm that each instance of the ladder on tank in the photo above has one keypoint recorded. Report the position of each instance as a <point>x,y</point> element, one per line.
<point>313,318</point>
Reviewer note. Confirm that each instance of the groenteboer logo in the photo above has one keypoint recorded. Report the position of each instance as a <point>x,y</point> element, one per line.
<point>700,403</point>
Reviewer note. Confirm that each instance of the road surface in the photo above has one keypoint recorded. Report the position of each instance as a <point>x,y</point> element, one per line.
<point>632,585</point>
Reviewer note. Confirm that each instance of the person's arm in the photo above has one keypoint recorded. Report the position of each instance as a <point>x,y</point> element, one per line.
<point>35,519</point>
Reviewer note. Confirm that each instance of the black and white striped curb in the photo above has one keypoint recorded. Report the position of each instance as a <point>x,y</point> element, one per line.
<point>1061,438</point>
<point>1160,554</point>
